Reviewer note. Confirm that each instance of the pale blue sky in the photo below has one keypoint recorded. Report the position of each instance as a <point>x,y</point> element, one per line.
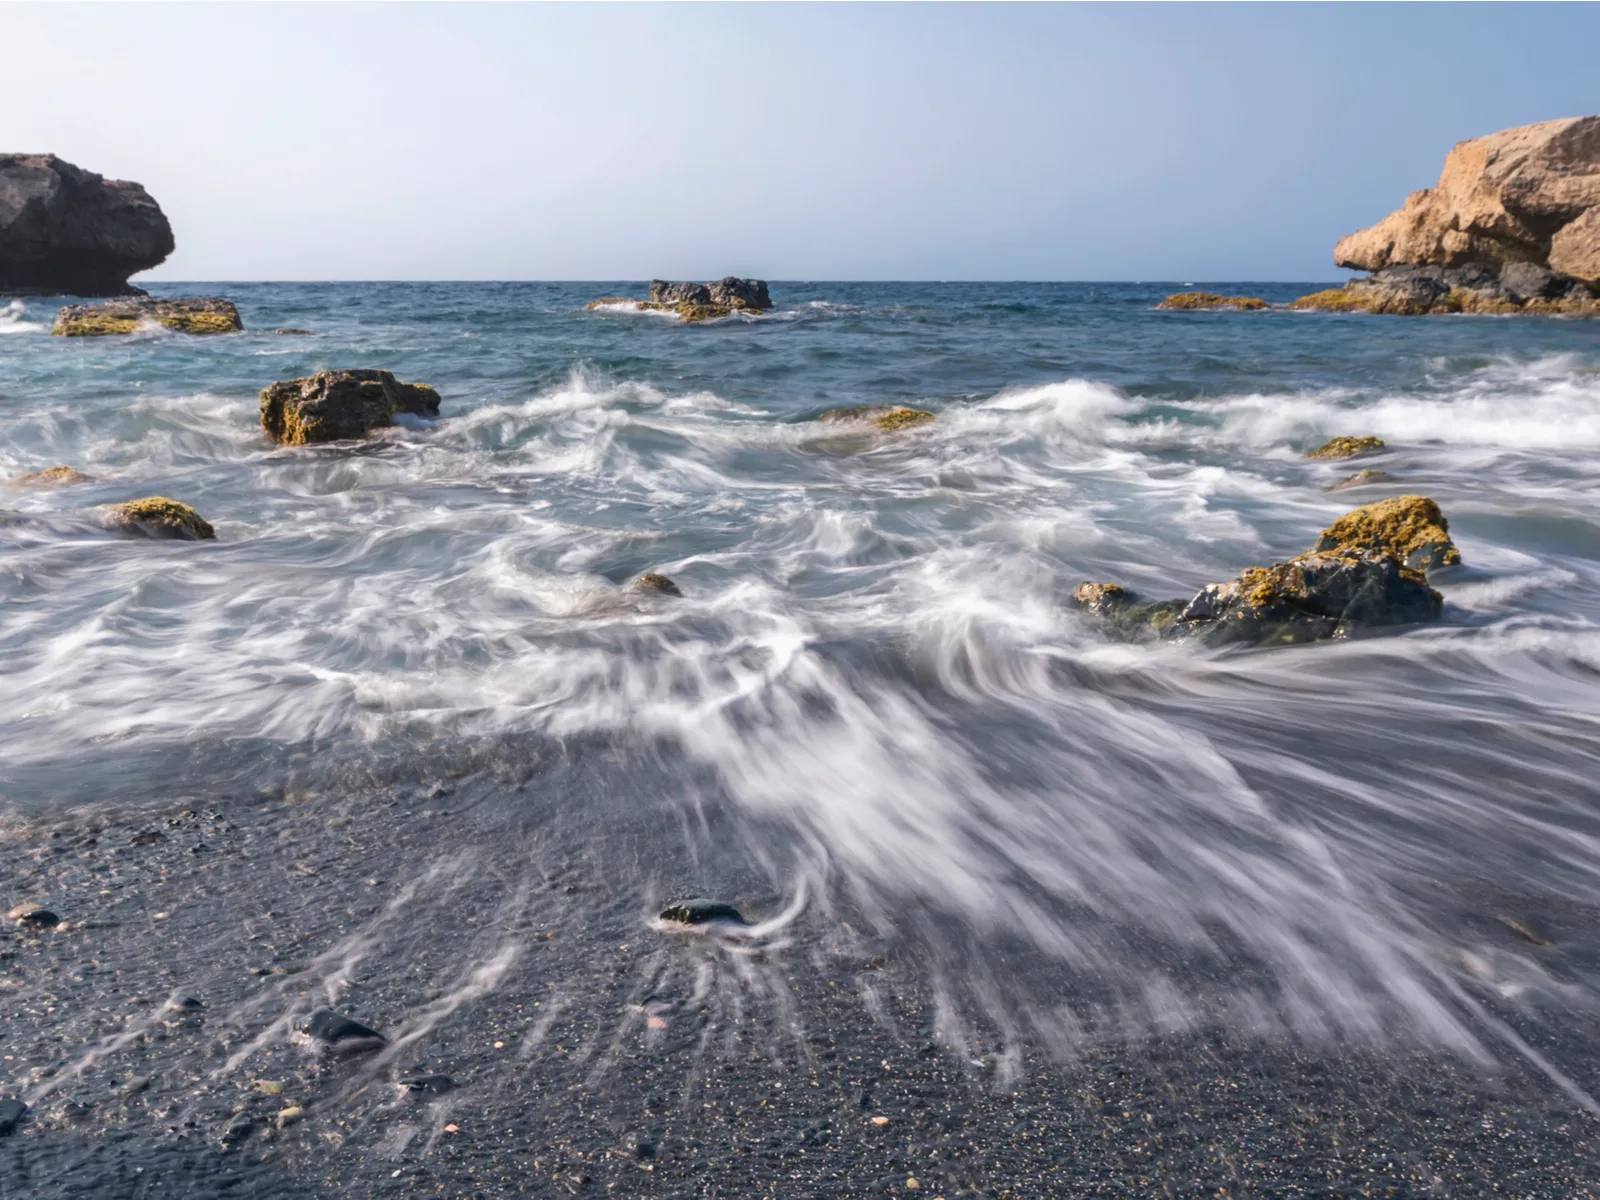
<point>791,141</point>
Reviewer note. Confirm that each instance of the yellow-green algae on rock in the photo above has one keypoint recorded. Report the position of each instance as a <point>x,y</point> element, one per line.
<point>1408,528</point>
<point>52,477</point>
<point>156,516</point>
<point>1362,478</point>
<point>333,406</point>
<point>691,312</point>
<point>1200,301</point>
<point>1346,447</point>
<point>885,418</point>
<point>202,315</point>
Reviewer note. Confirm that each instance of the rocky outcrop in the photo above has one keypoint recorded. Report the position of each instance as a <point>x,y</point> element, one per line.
<point>158,517</point>
<point>52,477</point>
<point>333,406</point>
<point>196,315</point>
<point>731,292</point>
<point>1513,226</point>
<point>67,231</point>
<point>1369,569</point>
<point>1526,195</point>
<point>1347,447</point>
<point>885,418</point>
<point>1200,301</point>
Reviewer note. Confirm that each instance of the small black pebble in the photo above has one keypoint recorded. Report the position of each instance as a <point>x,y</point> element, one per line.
<point>701,912</point>
<point>11,1111</point>
<point>187,1004</point>
<point>426,1085</point>
<point>236,1130</point>
<point>32,914</point>
<point>340,1032</point>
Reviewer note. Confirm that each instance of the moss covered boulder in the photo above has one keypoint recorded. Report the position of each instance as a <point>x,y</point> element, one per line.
<point>1307,599</point>
<point>1203,301</point>
<point>1347,447</point>
<point>1408,528</point>
<point>656,584</point>
<point>196,315</point>
<point>885,418</point>
<point>333,406</point>
<point>52,477</point>
<point>158,517</point>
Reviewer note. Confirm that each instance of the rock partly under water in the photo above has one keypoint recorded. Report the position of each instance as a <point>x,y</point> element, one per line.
<point>702,912</point>
<point>1201,301</point>
<point>333,406</point>
<point>335,1032</point>
<point>651,581</point>
<point>1408,528</point>
<point>885,418</point>
<point>1346,447</point>
<point>196,315</point>
<point>67,231</point>
<point>1362,478</point>
<point>729,292</point>
<point>52,477</point>
<point>158,517</point>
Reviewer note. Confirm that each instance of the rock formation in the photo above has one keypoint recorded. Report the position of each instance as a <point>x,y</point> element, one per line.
<point>158,517</point>
<point>332,406</point>
<point>885,418</point>
<point>197,315</point>
<point>1513,226</point>
<point>67,231</point>
<point>1347,447</point>
<point>1192,301</point>
<point>696,302</point>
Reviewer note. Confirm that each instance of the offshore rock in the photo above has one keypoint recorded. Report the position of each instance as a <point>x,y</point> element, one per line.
<point>1310,598</point>
<point>730,292</point>
<point>1346,447</point>
<point>1362,478</point>
<point>196,315</point>
<point>1525,195</point>
<point>885,418</point>
<point>333,406</point>
<point>52,477</point>
<point>1408,528</point>
<point>1202,301</point>
<point>1409,291</point>
<point>158,517</point>
<point>67,231</point>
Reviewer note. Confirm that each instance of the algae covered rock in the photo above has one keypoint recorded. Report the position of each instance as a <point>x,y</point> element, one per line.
<point>1416,290</point>
<point>692,312</point>
<point>1408,528</point>
<point>658,584</point>
<point>1347,447</point>
<point>1310,598</point>
<point>52,477</point>
<point>729,292</point>
<point>1123,610</point>
<point>1362,478</point>
<point>158,517</point>
<point>333,406</point>
<point>1202,301</point>
<point>885,418</point>
<point>195,315</point>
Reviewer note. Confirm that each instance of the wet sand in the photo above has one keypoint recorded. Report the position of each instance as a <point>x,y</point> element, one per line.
<point>498,927</point>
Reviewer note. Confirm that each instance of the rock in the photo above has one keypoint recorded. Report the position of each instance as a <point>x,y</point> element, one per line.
<point>238,1128</point>
<point>1504,198</point>
<point>1408,528</point>
<point>333,406</point>
<point>52,477</point>
<point>651,582</point>
<point>67,231</point>
<point>730,292</point>
<point>11,1112</point>
<point>1361,479</point>
<point>158,517</point>
<point>1194,301</point>
<point>35,916</point>
<point>702,912</point>
<point>690,311</point>
<point>886,418</point>
<point>1346,447</point>
<point>185,1004</point>
<point>1307,599</point>
<point>288,1116</point>
<point>337,1033</point>
<point>1116,604</point>
<point>294,333</point>
<point>196,315</point>
<point>419,1087</point>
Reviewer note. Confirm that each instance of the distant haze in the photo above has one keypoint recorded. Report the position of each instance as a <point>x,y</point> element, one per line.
<point>607,141</point>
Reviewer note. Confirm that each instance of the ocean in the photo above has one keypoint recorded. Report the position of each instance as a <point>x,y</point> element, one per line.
<point>874,707</point>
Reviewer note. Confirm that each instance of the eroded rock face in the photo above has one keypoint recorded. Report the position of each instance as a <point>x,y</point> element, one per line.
<point>64,230</point>
<point>195,314</point>
<point>332,406</point>
<point>731,292</point>
<point>1525,195</point>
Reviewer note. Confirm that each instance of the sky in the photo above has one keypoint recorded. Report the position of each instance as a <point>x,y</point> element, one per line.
<point>798,141</point>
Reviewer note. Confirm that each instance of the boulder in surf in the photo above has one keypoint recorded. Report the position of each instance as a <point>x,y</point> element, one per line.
<point>158,517</point>
<point>198,315</point>
<point>333,406</point>
<point>885,418</point>
<point>1408,528</point>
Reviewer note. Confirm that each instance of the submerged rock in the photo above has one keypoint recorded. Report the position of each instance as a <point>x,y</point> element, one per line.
<point>1346,447</point>
<point>34,915</point>
<point>419,1087</point>
<point>1197,301</point>
<point>335,1032</point>
<point>1307,599</point>
<point>158,517</point>
<point>660,584</point>
<point>702,912</point>
<point>11,1112</point>
<point>52,477</point>
<point>1361,478</point>
<point>885,418</point>
<point>1114,603</point>
<point>333,406</point>
<point>1408,528</point>
<point>196,315</point>
<point>67,231</point>
<point>294,333</point>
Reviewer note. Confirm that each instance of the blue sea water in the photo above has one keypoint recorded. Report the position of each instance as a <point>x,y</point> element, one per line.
<point>874,651</point>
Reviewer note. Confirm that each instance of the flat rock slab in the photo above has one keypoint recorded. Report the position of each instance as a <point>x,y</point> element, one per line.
<point>197,315</point>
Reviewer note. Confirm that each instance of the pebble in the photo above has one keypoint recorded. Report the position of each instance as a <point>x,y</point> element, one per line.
<point>702,912</point>
<point>269,1087</point>
<point>426,1085</point>
<point>289,1116</point>
<point>340,1034</point>
<point>186,1004</point>
<point>237,1129</point>
<point>11,1111</point>
<point>35,915</point>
